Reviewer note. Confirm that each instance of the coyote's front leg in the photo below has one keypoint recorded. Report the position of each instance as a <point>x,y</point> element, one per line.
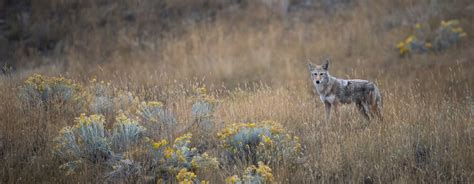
<point>328,111</point>
<point>335,106</point>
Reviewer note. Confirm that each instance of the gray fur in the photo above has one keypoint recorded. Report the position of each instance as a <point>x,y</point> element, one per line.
<point>333,92</point>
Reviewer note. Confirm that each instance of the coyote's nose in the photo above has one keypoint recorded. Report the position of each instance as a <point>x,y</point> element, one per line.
<point>317,82</point>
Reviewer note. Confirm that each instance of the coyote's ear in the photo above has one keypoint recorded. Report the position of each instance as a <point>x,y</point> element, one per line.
<point>325,66</point>
<point>310,66</point>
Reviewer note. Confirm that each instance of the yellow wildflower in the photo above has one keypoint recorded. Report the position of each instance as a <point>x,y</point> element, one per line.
<point>403,51</point>
<point>158,145</point>
<point>417,25</point>
<point>206,159</point>
<point>410,39</point>
<point>194,164</point>
<point>184,176</point>
<point>154,104</point>
<point>298,144</point>
<point>181,156</point>
<point>169,152</point>
<point>267,140</point>
<point>401,44</point>
<point>457,30</point>
<point>444,23</point>
<point>121,117</point>
<point>449,23</point>
<point>96,117</point>
<point>402,47</point>
<point>428,45</point>
<point>203,96</point>
<point>201,91</point>
<point>40,83</point>
<point>37,81</point>
<point>232,179</point>
<point>265,171</point>
<point>209,99</point>
<point>185,137</point>
<point>86,120</point>
<point>277,130</point>
<point>250,169</point>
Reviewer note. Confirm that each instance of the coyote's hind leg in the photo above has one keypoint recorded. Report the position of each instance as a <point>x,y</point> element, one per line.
<point>363,110</point>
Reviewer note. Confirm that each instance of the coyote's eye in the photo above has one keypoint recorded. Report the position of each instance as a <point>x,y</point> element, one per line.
<point>315,74</point>
<point>321,74</point>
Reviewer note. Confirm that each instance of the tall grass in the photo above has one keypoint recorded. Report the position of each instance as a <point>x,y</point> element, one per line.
<point>252,58</point>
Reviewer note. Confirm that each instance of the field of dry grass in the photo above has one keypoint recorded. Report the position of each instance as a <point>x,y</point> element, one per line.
<point>251,56</point>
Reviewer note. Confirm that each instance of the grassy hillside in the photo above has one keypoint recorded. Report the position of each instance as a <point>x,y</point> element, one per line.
<point>251,58</point>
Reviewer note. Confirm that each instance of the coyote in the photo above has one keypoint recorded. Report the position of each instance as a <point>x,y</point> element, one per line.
<point>333,91</point>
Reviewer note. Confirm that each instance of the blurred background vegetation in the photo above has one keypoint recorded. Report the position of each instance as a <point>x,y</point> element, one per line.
<point>227,41</point>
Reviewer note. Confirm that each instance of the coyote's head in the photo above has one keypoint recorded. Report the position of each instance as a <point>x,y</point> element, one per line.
<point>319,73</point>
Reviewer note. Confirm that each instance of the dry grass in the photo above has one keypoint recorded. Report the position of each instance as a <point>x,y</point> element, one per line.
<point>254,60</point>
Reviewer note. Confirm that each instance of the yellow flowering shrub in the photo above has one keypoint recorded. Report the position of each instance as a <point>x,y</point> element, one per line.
<point>203,95</point>
<point>265,141</point>
<point>185,177</point>
<point>448,33</point>
<point>38,89</point>
<point>126,132</point>
<point>253,174</point>
<point>156,118</point>
<point>233,180</point>
<point>90,143</point>
<point>179,159</point>
<point>106,99</point>
<point>159,144</point>
<point>203,108</point>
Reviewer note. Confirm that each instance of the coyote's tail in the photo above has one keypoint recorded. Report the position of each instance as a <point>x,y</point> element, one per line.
<point>376,102</point>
